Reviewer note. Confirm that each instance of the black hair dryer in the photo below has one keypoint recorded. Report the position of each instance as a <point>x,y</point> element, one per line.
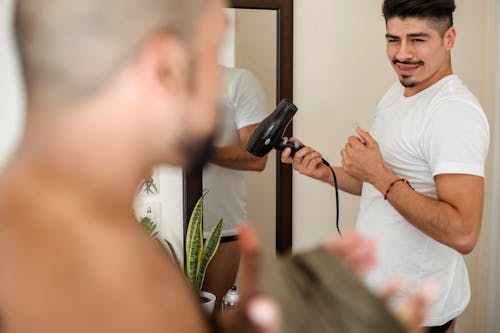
<point>269,133</point>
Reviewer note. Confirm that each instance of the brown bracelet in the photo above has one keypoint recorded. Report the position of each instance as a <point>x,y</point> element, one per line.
<point>395,182</point>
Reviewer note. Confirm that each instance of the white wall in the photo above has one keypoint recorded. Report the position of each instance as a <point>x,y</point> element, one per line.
<point>11,94</point>
<point>341,72</point>
<point>166,206</point>
<point>227,53</point>
<point>474,61</point>
<point>494,277</point>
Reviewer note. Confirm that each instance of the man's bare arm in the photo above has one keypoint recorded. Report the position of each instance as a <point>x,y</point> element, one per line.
<point>237,157</point>
<point>454,218</point>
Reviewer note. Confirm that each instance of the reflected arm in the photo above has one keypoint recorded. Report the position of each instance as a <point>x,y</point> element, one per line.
<point>236,156</point>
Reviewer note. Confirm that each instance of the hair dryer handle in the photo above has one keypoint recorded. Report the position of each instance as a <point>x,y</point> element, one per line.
<point>286,143</point>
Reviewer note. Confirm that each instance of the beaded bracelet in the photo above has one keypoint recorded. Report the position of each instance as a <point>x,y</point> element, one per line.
<point>395,182</point>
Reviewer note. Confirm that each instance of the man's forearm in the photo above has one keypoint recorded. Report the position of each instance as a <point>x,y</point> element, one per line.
<point>236,157</point>
<point>345,182</point>
<point>454,219</point>
<point>437,219</point>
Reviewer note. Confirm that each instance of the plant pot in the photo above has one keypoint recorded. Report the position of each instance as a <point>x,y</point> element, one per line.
<point>207,301</point>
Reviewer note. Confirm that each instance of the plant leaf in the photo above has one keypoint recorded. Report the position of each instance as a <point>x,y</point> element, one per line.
<point>194,241</point>
<point>149,225</point>
<point>211,246</point>
<point>174,254</point>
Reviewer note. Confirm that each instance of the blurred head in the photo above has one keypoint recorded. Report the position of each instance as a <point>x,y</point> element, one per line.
<point>420,37</point>
<point>154,59</point>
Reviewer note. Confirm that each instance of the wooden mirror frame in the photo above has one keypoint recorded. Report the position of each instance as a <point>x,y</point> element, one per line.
<point>192,180</point>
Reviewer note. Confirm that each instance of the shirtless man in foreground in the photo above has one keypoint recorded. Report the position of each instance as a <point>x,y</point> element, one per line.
<point>114,88</point>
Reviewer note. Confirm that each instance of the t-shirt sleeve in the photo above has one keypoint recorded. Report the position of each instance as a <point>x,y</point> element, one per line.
<point>457,139</point>
<point>249,101</point>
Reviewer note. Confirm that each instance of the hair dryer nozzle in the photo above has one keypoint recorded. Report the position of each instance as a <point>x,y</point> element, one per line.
<point>270,131</point>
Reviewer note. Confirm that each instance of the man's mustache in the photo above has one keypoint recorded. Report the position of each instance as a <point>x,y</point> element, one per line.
<point>416,63</point>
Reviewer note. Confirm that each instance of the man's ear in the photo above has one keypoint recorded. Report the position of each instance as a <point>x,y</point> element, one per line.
<point>164,65</point>
<point>450,37</point>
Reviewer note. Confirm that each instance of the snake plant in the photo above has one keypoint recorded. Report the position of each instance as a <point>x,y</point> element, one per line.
<point>199,253</point>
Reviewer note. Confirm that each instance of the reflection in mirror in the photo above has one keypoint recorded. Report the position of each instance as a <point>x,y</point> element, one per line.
<point>241,186</point>
<point>256,50</point>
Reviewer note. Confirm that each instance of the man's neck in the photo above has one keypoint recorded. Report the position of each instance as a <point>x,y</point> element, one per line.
<point>94,161</point>
<point>436,77</point>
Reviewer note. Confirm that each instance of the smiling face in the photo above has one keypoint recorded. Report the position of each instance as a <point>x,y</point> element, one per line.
<point>419,53</point>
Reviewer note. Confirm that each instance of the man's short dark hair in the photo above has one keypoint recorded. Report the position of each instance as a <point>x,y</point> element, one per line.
<point>439,12</point>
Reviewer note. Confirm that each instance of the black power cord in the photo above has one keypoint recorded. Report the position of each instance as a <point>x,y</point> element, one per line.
<point>294,147</point>
<point>325,162</point>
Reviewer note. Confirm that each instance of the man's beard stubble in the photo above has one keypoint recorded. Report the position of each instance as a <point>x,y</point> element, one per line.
<point>405,80</point>
<point>407,84</point>
<point>198,151</point>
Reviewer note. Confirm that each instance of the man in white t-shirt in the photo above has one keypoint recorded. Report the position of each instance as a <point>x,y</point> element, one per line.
<point>420,170</point>
<point>244,106</point>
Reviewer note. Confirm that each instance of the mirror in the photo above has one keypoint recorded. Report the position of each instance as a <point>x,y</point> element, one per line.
<point>270,191</point>
<point>238,188</point>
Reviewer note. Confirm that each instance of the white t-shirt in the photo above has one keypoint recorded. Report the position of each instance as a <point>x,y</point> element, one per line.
<point>441,130</point>
<point>243,104</point>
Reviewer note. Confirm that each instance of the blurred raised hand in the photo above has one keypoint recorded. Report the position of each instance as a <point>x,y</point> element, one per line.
<point>255,313</point>
<point>260,314</point>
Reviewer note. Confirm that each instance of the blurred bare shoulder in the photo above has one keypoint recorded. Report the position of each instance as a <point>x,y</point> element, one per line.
<point>82,270</point>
